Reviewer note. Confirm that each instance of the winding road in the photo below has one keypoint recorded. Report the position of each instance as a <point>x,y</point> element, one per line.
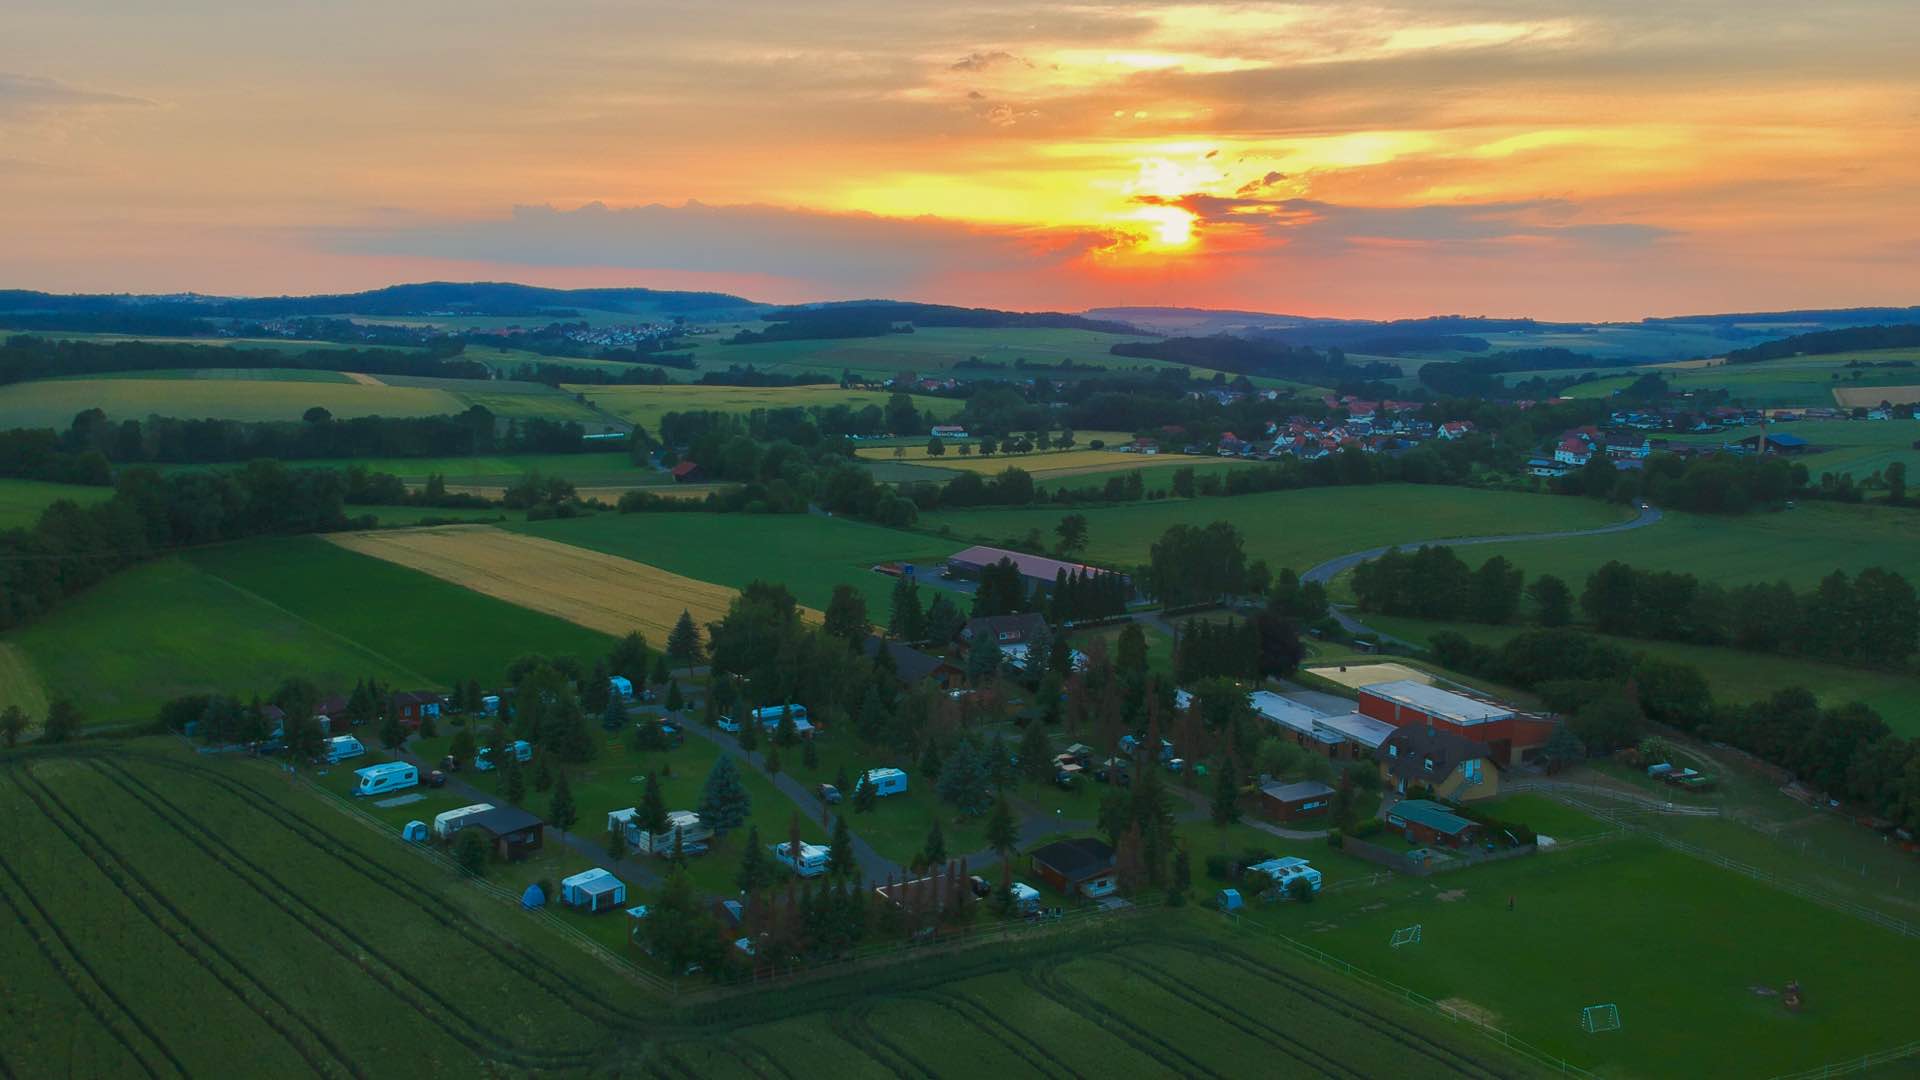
<point>1325,572</point>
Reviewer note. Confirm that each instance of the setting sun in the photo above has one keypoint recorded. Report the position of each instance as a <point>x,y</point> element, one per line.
<point>1167,227</point>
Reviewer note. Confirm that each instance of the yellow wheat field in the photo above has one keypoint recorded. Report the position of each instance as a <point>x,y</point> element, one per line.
<point>597,591</point>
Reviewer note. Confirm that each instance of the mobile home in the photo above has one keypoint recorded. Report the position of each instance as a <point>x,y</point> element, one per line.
<point>885,781</point>
<point>522,750</point>
<point>693,834</point>
<point>342,747</point>
<point>448,823</point>
<point>385,777</point>
<point>811,861</point>
<point>769,718</point>
<point>1284,871</point>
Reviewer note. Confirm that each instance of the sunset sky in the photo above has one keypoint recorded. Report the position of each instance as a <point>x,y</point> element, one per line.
<point>1565,158</point>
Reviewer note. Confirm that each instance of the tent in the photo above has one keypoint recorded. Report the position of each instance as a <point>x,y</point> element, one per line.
<point>415,831</point>
<point>1229,900</point>
<point>533,899</point>
<point>595,890</point>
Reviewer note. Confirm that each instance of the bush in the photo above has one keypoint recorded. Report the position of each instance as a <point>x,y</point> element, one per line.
<point>1219,868</point>
<point>471,850</point>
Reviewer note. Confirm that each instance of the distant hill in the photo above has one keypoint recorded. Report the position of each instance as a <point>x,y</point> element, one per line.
<point>427,298</point>
<point>874,312</point>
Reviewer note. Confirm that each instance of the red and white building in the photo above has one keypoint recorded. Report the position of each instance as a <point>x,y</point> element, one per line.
<point>1506,732</point>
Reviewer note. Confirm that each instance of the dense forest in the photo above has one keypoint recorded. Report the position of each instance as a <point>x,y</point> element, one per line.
<point>24,357</point>
<point>1826,342</point>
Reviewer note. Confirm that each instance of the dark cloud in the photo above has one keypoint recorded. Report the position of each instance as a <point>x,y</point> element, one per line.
<point>850,253</point>
<point>1267,181</point>
<point>983,61</point>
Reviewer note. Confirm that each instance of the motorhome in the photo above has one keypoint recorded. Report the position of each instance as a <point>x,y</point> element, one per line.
<point>810,862</point>
<point>693,834</point>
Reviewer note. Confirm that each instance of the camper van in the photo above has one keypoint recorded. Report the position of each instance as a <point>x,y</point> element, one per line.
<point>885,781</point>
<point>385,777</point>
<point>812,860</point>
<point>342,747</point>
<point>448,823</point>
<point>522,750</point>
<point>693,833</point>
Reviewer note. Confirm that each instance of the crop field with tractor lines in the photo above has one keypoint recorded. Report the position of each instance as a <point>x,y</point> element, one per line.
<point>339,953</point>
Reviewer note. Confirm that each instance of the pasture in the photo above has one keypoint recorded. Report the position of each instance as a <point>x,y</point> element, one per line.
<point>21,501</point>
<point>645,405</point>
<point>1042,465</point>
<point>598,591</point>
<point>1695,959</point>
<point>53,403</point>
<point>1294,529</point>
<point>808,553</point>
<point>1798,546</point>
<point>1857,447</point>
<point>1789,382</point>
<point>168,628</point>
<point>1736,677</point>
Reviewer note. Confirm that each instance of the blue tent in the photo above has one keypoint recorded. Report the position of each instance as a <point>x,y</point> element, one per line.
<point>1229,900</point>
<point>533,899</point>
<point>415,831</point>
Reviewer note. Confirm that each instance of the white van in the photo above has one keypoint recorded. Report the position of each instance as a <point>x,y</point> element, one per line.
<point>342,747</point>
<point>385,777</point>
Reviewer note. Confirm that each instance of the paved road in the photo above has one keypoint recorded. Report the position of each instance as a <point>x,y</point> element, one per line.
<point>1332,568</point>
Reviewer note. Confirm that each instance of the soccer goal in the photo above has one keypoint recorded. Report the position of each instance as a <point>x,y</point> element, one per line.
<point>1595,1019</point>
<point>1406,935</point>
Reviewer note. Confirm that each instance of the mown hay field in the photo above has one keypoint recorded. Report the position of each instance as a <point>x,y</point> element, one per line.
<point>54,402</point>
<point>595,590</point>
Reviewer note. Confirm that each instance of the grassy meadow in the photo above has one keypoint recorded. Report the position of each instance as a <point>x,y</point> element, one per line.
<point>645,405</point>
<point>1292,528</point>
<point>1799,546</point>
<point>1789,382</point>
<point>1857,447</point>
<point>1697,954</point>
<point>53,403</point>
<point>21,501</point>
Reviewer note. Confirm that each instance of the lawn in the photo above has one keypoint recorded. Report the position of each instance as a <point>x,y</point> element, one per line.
<point>21,501</point>
<point>1683,948</point>
<point>1735,676</point>
<point>645,405</point>
<point>1799,546</point>
<point>54,402</point>
<point>1293,528</point>
<point>810,554</point>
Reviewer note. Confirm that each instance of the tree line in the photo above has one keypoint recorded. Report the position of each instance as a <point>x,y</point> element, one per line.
<point>25,356</point>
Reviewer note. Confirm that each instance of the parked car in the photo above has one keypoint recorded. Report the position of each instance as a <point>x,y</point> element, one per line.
<point>436,778</point>
<point>829,794</point>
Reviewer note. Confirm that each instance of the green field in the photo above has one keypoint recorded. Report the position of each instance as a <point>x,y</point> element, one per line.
<point>808,553</point>
<point>1683,948</point>
<point>1789,382</point>
<point>240,618</point>
<point>645,405</point>
<point>54,402</point>
<point>1857,447</point>
<point>1736,676</point>
<point>1799,546</point>
<point>300,375</point>
<point>295,345</point>
<point>154,940</point>
<point>1293,528</point>
<point>21,501</point>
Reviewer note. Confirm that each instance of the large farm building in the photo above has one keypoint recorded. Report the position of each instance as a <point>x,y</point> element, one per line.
<point>1038,571</point>
<point>1505,732</point>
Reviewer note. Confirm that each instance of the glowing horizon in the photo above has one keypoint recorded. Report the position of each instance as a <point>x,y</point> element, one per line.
<point>1558,159</point>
